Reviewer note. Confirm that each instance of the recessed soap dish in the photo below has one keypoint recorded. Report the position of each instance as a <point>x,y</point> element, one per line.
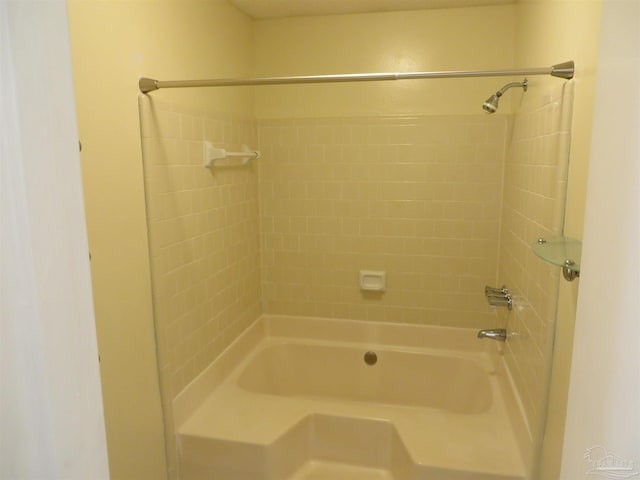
<point>373,280</point>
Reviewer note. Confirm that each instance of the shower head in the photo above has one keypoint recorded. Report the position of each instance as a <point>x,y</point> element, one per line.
<point>490,105</point>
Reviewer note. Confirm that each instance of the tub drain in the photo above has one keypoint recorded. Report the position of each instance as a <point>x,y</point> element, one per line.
<point>370,358</point>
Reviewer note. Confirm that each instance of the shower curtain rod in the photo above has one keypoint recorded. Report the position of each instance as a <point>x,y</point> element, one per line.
<point>561,70</point>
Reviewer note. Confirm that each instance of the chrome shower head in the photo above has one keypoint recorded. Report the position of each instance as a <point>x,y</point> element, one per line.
<point>490,105</point>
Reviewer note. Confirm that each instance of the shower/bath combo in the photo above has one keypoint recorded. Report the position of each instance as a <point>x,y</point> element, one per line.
<point>214,415</point>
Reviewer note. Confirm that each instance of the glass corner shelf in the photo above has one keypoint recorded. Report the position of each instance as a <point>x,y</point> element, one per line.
<point>564,252</point>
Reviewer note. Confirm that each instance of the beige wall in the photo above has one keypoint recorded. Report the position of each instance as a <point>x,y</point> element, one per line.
<point>383,42</point>
<point>548,32</point>
<point>114,43</point>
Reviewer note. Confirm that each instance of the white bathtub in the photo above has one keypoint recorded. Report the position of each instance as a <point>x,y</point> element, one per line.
<point>294,399</point>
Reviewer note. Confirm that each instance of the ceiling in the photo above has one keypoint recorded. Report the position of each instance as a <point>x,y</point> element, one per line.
<point>300,8</point>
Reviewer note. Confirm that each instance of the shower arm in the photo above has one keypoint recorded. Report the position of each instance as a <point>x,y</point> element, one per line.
<point>524,85</point>
<point>562,70</point>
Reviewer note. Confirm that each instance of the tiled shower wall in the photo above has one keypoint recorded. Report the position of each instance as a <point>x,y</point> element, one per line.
<point>416,197</point>
<point>534,200</point>
<point>203,241</point>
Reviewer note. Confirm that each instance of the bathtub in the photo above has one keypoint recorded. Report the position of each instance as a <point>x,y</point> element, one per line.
<point>451,383</point>
<point>322,399</point>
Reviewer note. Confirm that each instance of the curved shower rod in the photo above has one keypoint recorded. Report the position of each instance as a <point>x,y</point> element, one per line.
<point>561,70</point>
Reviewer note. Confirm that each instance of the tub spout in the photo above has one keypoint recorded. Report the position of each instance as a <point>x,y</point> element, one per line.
<point>499,334</point>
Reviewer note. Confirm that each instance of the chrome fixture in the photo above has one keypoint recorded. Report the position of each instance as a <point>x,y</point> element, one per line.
<point>495,291</point>
<point>498,297</point>
<point>499,334</point>
<point>568,271</point>
<point>561,70</point>
<point>490,105</point>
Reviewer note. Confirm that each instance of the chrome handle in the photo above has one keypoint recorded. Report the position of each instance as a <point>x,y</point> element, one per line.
<point>501,302</point>
<point>498,297</point>
<point>497,291</point>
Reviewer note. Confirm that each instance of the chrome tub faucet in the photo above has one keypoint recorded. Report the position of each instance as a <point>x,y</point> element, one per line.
<point>499,334</point>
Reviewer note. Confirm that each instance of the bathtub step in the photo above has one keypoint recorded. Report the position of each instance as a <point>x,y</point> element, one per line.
<point>316,470</point>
